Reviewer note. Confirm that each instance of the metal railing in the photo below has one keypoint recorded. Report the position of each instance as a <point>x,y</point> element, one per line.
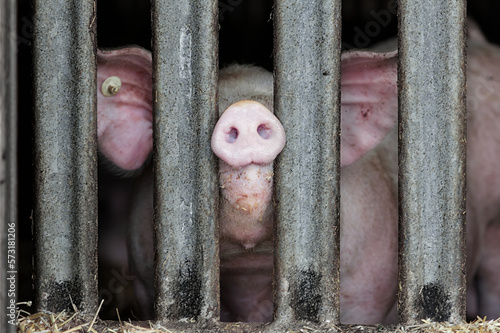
<point>432,114</point>
<point>65,213</point>
<point>185,66</point>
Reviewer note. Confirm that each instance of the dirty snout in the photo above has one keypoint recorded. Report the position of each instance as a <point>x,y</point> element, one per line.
<point>247,139</point>
<point>248,133</point>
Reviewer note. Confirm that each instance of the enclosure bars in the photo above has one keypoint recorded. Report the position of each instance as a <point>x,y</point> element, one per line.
<point>65,216</point>
<point>185,67</point>
<point>185,53</point>
<point>8,165</point>
<point>432,150</point>
<point>307,101</point>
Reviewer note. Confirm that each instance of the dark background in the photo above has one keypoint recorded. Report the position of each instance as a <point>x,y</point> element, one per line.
<point>245,36</point>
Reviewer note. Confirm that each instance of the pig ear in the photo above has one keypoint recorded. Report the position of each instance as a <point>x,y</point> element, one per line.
<point>124,114</point>
<point>369,99</point>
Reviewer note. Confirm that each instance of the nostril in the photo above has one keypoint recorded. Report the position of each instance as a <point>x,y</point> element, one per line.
<point>264,131</point>
<point>232,135</point>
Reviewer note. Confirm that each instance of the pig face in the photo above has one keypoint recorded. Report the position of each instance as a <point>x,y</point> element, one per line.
<point>247,138</point>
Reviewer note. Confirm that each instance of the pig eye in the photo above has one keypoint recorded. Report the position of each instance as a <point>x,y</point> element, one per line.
<point>264,131</point>
<point>232,135</point>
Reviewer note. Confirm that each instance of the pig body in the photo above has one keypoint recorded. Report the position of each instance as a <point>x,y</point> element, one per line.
<point>483,176</point>
<point>368,262</point>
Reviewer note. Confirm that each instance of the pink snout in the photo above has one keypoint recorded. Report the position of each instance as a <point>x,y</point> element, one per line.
<point>248,133</point>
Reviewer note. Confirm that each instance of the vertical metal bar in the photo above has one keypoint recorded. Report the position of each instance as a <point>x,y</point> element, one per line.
<point>66,155</point>
<point>185,76</point>
<point>432,160</point>
<point>307,101</point>
<point>8,166</point>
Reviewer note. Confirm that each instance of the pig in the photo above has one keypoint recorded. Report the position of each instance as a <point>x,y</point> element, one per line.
<point>247,138</point>
<point>247,224</point>
<point>483,176</point>
<point>368,239</point>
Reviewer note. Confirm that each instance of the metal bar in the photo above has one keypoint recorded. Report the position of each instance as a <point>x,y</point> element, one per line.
<point>8,166</point>
<point>185,67</point>
<point>65,216</point>
<point>307,101</point>
<point>432,152</point>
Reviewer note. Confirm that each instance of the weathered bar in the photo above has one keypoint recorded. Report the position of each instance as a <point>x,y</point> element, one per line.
<point>307,101</point>
<point>8,166</point>
<point>185,67</point>
<point>432,149</point>
<point>65,214</point>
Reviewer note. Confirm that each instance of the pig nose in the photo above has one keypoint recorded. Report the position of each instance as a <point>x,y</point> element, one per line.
<point>248,133</point>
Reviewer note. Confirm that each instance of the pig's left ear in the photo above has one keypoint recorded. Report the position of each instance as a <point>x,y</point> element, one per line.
<point>124,106</point>
<point>369,101</point>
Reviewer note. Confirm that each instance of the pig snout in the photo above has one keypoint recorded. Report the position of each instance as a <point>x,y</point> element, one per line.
<point>247,138</point>
<point>248,133</point>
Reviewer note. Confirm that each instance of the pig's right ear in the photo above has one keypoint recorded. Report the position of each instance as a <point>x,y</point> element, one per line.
<point>124,106</point>
<point>369,99</point>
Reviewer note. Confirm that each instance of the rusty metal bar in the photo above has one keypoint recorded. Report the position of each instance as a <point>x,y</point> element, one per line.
<point>185,67</point>
<point>65,215</point>
<point>307,101</point>
<point>8,166</point>
<point>432,113</point>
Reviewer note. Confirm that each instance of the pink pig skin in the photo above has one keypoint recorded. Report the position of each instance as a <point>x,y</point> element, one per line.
<point>124,121</point>
<point>368,264</point>
<point>483,176</point>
